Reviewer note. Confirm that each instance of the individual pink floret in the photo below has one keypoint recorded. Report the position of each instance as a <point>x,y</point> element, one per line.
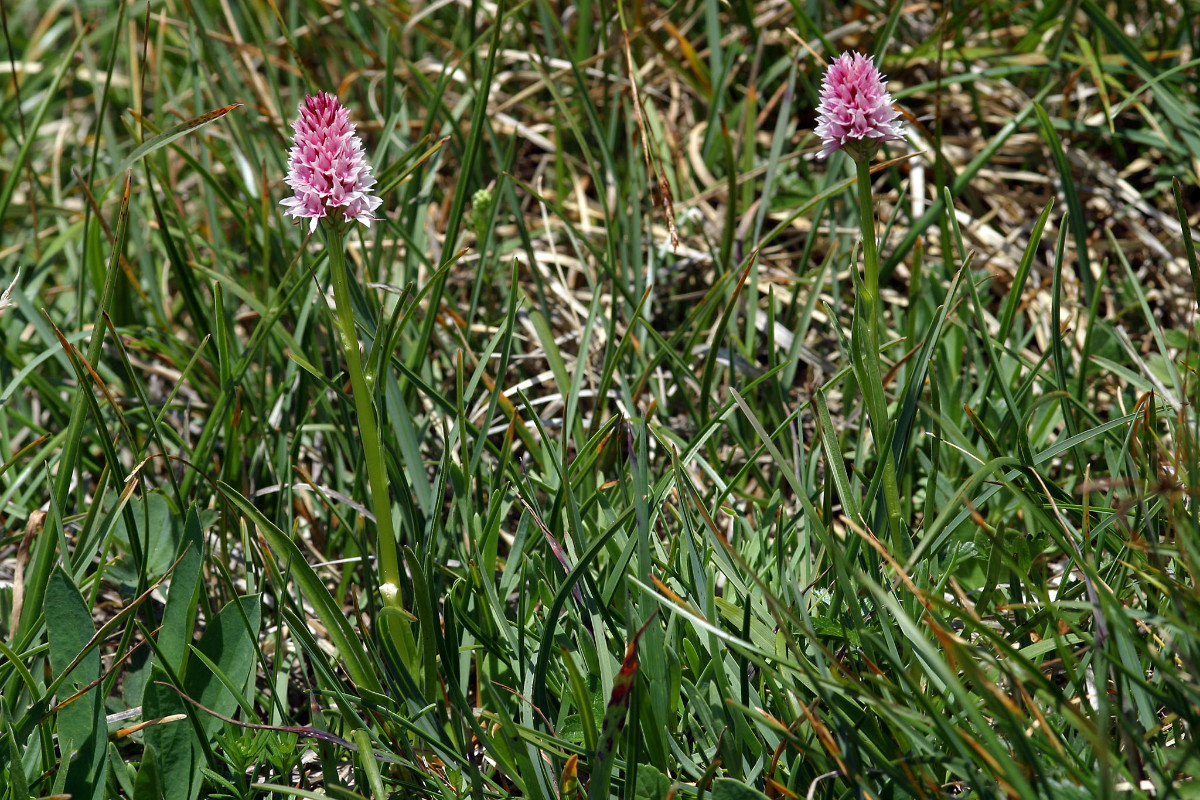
<point>326,167</point>
<point>856,111</point>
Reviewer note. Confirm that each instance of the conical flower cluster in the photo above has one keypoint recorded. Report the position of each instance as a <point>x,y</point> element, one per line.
<point>855,113</point>
<point>326,167</point>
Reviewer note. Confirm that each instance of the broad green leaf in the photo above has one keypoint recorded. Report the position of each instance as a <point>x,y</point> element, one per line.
<point>81,722</point>
<point>158,532</point>
<point>651,784</point>
<point>121,773</point>
<point>148,785</point>
<point>179,615</point>
<point>229,642</point>
<point>174,746</point>
<point>729,789</point>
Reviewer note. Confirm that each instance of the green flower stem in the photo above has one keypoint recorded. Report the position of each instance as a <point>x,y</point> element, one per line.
<point>874,392</point>
<point>385,549</point>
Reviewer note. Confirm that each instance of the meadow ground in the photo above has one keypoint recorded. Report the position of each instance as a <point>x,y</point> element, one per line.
<point>564,477</point>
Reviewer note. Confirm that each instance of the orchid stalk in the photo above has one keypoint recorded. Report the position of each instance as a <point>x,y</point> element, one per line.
<point>856,114</point>
<point>332,184</point>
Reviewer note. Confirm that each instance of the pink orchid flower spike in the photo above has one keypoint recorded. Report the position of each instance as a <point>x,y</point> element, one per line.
<point>855,113</point>
<point>326,167</point>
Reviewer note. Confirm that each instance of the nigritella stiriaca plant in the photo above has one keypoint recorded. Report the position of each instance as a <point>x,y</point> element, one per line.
<point>856,115</point>
<point>332,187</point>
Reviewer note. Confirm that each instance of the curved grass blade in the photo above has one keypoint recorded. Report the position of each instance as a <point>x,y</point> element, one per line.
<point>169,135</point>
<point>18,165</point>
<point>358,663</point>
<point>1074,209</point>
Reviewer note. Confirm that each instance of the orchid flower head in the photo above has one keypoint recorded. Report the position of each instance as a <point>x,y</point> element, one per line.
<point>855,113</point>
<point>327,171</point>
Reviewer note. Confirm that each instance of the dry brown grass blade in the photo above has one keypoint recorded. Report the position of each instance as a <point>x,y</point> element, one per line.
<point>651,155</point>
<point>32,526</point>
<point>121,733</point>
